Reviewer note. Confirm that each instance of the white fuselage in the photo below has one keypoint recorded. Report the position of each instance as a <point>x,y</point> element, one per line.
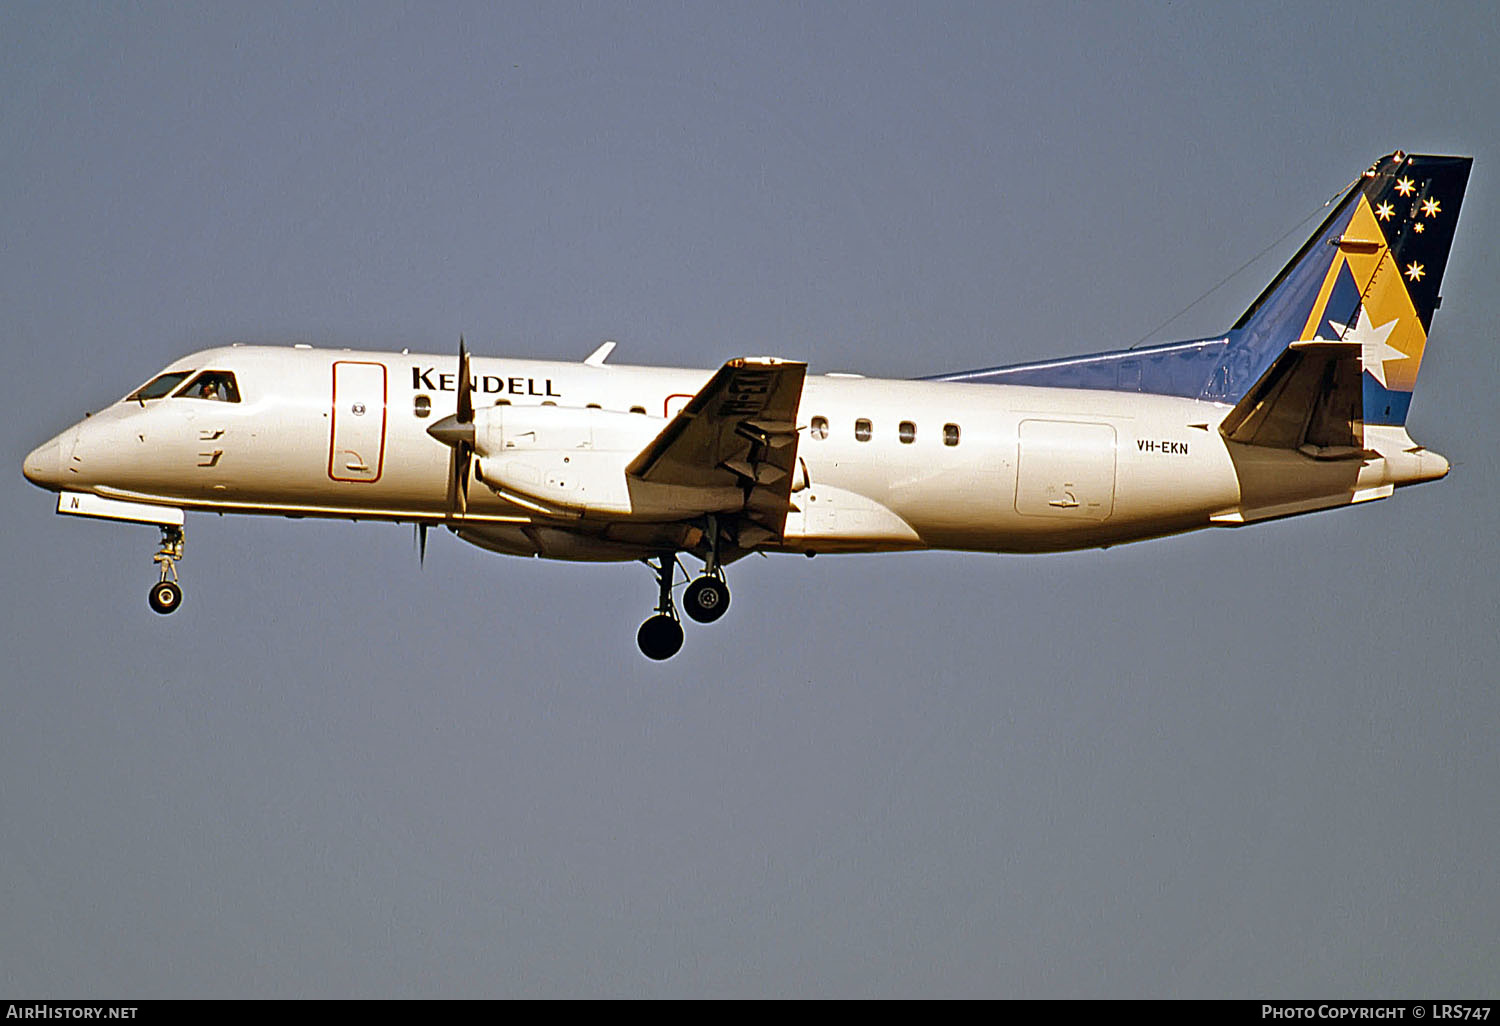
<point>337,433</point>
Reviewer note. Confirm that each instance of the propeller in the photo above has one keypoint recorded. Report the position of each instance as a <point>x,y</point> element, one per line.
<point>457,432</point>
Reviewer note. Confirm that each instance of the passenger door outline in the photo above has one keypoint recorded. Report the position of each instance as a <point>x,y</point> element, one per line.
<point>353,432</point>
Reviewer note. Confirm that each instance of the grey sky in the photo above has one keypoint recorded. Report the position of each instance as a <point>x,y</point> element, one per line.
<point>1237,763</point>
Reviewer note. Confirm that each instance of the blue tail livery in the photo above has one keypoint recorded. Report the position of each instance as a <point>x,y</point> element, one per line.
<point>1370,275</point>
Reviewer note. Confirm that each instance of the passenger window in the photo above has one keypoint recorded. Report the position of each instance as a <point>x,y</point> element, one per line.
<point>158,386</point>
<point>950,434</point>
<point>908,432</point>
<point>819,428</point>
<point>862,430</point>
<point>218,386</point>
<point>422,406</point>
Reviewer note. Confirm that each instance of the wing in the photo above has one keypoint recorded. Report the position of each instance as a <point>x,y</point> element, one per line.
<point>740,429</point>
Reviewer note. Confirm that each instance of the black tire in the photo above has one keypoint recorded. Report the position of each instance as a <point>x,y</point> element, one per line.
<point>659,637</point>
<point>706,599</point>
<point>165,597</point>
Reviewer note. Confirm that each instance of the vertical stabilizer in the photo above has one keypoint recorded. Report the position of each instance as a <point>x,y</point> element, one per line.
<point>1369,276</point>
<point>1367,279</point>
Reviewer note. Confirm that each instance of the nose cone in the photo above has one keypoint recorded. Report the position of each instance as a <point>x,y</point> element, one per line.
<point>44,465</point>
<point>1433,466</point>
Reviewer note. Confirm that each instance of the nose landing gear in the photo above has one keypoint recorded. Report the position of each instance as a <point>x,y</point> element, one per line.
<point>166,595</point>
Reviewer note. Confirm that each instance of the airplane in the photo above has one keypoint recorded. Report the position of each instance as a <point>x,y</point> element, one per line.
<point>1299,406</point>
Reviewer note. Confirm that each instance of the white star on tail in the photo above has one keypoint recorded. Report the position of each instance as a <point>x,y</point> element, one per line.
<point>1374,351</point>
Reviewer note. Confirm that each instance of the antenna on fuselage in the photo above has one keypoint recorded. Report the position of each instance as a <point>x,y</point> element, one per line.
<point>598,356</point>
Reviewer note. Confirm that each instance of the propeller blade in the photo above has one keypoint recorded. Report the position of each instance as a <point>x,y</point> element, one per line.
<point>452,502</point>
<point>457,432</point>
<point>421,531</point>
<point>465,386</point>
<point>465,450</point>
<point>465,455</point>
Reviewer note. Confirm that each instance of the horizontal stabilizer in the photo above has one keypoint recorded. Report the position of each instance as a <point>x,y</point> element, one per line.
<point>1310,399</point>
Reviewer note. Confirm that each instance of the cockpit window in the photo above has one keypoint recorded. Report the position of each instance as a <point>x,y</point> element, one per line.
<point>211,384</point>
<point>159,385</point>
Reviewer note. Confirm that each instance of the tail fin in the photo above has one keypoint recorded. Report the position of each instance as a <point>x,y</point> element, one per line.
<point>1369,275</point>
<point>1368,278</point>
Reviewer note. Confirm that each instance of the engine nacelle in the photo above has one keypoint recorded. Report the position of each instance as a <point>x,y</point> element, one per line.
<point>568,461</point>
<point>502,430</point>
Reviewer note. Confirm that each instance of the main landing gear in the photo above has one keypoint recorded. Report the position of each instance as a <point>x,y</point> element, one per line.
<point>166,595</point>
<point>705,600</point>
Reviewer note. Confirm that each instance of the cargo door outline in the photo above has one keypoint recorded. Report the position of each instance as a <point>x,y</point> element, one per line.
<point>1066,469</point>
<point>355,433</point>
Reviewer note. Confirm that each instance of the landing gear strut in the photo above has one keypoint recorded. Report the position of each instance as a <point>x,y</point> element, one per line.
<point>166,595</point>
<point>660,637</point>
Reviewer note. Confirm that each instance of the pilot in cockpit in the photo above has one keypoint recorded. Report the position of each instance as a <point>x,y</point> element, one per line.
<point>216,386</point>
